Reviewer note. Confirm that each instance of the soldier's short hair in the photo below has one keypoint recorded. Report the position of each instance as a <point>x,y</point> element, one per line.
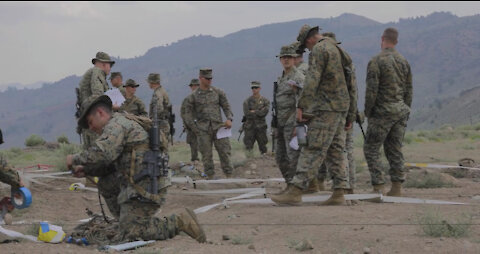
<point>391,34</point>
<point>101,105</point>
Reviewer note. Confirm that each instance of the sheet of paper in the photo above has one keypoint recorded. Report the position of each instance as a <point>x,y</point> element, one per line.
<point>294,143</point>
<point>224,133</point>
<point>116,96</point>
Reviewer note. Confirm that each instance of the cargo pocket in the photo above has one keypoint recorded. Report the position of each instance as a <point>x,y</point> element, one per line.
<point>316,138</point>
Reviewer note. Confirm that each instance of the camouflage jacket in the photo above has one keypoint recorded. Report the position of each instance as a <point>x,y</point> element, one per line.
<point>93,83</point>
<point>163,103</point>
<point>134,106</point>
<point>182,113</point>
<point>303,68</point>
<point>114,147</point>
<point>325,86</point>
<point>202,109</point>
<point>389,85</point>
<point>286,97</point>
<point>255,120</point>
<point>8,175</point>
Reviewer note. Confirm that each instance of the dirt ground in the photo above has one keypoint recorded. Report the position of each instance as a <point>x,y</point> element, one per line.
<point>363,228</point>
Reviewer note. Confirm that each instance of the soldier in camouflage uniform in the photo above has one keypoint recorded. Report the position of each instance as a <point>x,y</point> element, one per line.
<point>94,84</point>
<point>132,104</point>
<point>299,63</point>
<point>160,97</point>
<point>9,176</point>
<point>123,143</point>
<point>351,167</point>
<point>388,99</point>
<point>191,137</point>
<point>288,89</point>
<point>255,109</point>
<point>203,116</point>
<point>328,105</point>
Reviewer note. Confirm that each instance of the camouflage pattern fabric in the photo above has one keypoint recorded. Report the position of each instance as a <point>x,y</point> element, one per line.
<point>93,83</point>
<point>351,166</point>
<point>114,147</point>
<point>286,97</point>
<point>326,141</point>
<point>133,106</point>
<point>193,142</point>
<point>163,104</point>
<point>389,132</point>
<point>203,116</point>
<point>325,86</point>
<point>255,126</point>
<point>8,175</point>
<point>191,137</point>
<point>388,100</point>
<point>140,220</point>
<point>205,141</point>
<point>303,68</point>
<point>88,138</point>
<point>389,85</point>
<point>109,188</point>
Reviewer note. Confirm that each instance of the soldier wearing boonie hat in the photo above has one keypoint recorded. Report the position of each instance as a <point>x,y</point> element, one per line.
<point>286,102</point>
<point>94,84</point>
<point>191,137</point>
<point>132,104</point>
<point>203,115</point>
<point>160,97</point>
<point>255,109</point>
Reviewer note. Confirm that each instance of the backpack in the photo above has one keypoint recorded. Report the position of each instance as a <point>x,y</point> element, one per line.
<point>144,121</point>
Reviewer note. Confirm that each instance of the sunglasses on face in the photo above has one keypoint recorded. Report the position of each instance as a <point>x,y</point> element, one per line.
<point>255,88</point>
<point>208,78</point>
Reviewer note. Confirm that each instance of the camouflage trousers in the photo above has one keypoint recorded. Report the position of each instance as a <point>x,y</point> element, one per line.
<point>142,220</point>
<point>285,156</point>
<point>256,134</point>
<point>389,132</point>
<point>351,167</point>
<point>109,188</point>
<point>88,138</point>
<point>8,175</point>
<point>164,134</point>
<point>326,142</point>
<point>205,141</point>
<point>193,142</point>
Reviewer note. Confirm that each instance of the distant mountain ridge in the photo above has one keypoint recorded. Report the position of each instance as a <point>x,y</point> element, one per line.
<point>442,49</point>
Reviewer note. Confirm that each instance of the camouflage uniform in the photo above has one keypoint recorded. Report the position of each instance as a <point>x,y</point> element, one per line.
<point>203,116</point>
<point>331,102</point>
<point>8,175</point>
<point>122,142</point>
<point>93,84</point>
<point>255,126</point>
<point>191,137</point>
<point>387,106</point>
<point>160,96</point>
<point>303,68</point>
<point>133,105</point>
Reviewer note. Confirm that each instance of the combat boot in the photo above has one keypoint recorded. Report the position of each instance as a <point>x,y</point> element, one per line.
<point>283,190</point>
<point>321,184</point>
<point>379,188</point>
<point>291,196</point>
<point>350,202</point>
<point>188,223</point>
<point>337,198</point>
<point>312,187</point>
<point>396,190</point>
<point>228,175</point>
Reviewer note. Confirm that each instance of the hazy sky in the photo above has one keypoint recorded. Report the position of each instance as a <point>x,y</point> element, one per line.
<point>46,41</point>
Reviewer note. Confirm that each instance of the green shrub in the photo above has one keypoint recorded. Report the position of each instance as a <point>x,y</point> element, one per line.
<point>34,140</point>
<point>433,224</point>
<point>63,139</point>
<point>427,180</point>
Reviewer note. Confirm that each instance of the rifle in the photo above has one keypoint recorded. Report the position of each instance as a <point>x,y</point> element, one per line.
<point>78,106</point>
<point>171,121</point>
<point>241,128</point>
<point>155,162</point>
<point>273,124</point>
